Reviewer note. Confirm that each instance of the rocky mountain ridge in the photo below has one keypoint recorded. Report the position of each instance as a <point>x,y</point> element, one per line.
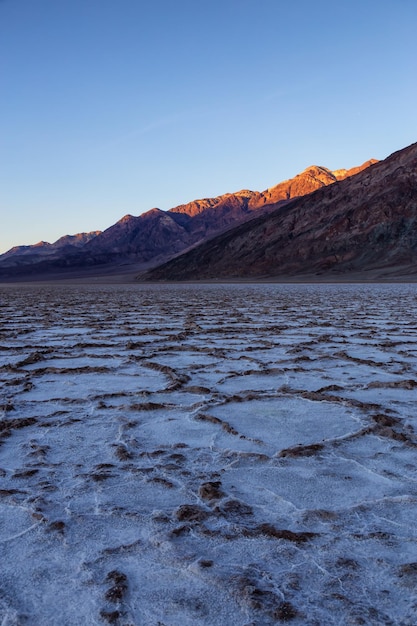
<point>155,236</point>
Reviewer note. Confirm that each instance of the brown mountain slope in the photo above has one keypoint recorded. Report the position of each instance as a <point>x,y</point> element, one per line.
<point>357,224</point>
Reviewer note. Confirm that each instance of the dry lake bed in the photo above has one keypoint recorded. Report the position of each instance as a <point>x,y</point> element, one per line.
<point>231,455</point>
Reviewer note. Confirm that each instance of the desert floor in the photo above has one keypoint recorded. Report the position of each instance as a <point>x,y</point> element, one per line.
<point>208,454</point>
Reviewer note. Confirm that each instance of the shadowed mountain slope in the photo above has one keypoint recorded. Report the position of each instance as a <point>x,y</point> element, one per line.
<point>359,224</point>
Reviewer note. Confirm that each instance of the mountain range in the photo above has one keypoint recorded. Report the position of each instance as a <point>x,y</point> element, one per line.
<point>320,222</point>
<point>27,255</point>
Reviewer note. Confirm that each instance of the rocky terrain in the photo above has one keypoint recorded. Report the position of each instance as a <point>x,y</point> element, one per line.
<point>365,224</point>
<point>155,236</point>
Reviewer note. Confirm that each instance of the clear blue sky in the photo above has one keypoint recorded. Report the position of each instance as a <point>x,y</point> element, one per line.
<point>111,107</point>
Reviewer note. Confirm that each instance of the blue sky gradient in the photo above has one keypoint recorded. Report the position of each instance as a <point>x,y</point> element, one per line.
<point>111,107</point>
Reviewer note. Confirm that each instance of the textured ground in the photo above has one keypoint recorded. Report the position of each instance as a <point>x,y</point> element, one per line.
<point>215,455</point>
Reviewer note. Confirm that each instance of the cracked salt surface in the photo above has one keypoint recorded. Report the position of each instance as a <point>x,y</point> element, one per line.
<point>215,455</point>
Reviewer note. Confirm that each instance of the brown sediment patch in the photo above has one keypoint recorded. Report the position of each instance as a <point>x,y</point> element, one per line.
<point>57,526</point>
<point>234,508</point>
<point>177,457</point>
<point>153,453</point>
<point>130,424</point>
<point>389,433</point>
<point>7,407</point>
<point>329,388</point>
<point>118,590</point>
<point>378,534</point>
<point>318,396</point>
<point>368,430</point>
<point>407,573</point>
<point>11,492</point>
<point>9,368</point>
<point>160,517</point>
<point>191,513</point>
<point>245,397</point>
<point>86,369</point>
<point>385,420</point>
<point>101,466</point>
<point>37,450</point>
<point>113,394</point>
<point>197,389</point>
<point>408,568</point>
<point>204,417</point>
<point>161,481</point>
<point>408,384</point>
<point>253,592</point>
<point>112,617</point>
<point>35,357</point>
<point>307,450</point>
<point>45,485</point>
<point>14,382</point>
<point>25,473</point>
<point>59,413</point>
<point>285,612</point>
<point>326,338</point>
<point>347,563</point>
<point>169,467</point>
<point>288,535</point>
<point>100,476</point>
<point>178,380</point>
<point>87,345</point>
<point>210,491</point>
<point>180,530</point>
<point>102,405</point>
<point>147,406</point>
<point>122,453</point>
<point>250,592</point>
<point>344,355</point>
<point>384,428</point>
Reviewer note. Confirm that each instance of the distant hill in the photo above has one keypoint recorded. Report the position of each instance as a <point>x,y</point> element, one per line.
<point>155,236</point>
<point>27,255</point>
<point>365,224</point>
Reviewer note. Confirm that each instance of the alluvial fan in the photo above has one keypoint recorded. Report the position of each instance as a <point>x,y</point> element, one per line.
<point>208,454</point>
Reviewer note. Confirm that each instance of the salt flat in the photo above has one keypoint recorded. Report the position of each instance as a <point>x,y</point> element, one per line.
<point>238,455</point>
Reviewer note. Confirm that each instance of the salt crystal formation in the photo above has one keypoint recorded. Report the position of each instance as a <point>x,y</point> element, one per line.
<point>212,455</point>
